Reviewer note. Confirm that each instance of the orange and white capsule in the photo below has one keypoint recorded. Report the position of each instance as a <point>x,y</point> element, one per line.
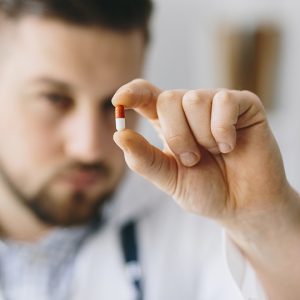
<point>120,117</point>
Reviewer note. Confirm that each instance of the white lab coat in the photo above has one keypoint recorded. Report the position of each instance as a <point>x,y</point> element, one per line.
<point>183,256</point>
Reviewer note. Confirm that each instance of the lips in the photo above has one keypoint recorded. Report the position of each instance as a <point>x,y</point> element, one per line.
<point>83,179</point>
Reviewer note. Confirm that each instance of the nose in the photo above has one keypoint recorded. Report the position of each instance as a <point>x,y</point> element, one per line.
<point>86,139</point>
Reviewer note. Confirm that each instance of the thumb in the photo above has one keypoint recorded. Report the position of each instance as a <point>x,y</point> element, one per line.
<point>147,160</point>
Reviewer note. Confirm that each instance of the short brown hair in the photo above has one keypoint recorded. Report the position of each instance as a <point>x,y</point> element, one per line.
<point>113,14</point>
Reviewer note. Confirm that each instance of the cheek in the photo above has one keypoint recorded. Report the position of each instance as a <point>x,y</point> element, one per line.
<point>26,144</point>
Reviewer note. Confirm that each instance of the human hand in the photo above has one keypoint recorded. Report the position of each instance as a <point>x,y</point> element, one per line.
<point>220,158</point>
<point>235,175</point>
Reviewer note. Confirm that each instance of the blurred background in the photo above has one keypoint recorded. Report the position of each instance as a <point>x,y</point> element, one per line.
<point>242,44</point>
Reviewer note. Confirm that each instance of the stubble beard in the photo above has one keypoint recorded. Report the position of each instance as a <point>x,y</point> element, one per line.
<point>75,208</point>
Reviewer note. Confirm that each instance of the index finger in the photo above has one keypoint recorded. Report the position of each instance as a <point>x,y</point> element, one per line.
<point>139,95</point>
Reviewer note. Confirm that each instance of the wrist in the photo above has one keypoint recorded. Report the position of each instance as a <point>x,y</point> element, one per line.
<point>263,232</point>
<point>270,241</point>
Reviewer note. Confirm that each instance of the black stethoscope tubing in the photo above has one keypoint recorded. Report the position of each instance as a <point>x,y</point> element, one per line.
<point>128,236</point>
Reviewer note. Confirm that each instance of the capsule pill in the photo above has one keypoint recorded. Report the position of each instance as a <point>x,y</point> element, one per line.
<point>120,117</point>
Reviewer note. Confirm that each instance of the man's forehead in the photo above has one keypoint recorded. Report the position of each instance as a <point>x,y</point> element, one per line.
<point>42,31</point>
<point>36,29</point>
<point>53,52</point>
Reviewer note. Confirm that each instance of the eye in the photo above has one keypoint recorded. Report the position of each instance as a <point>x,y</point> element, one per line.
<point>58,100</point>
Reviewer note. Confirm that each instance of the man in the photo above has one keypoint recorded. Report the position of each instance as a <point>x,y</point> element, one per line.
<point>72,227</point>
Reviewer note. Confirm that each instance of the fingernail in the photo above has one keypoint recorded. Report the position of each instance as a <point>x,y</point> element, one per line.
<point>189,158</point>
<point>224,148</point>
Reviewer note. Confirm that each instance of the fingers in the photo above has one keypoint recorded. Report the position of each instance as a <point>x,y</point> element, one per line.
<point>215,116</point>
<point>197,107</point>
<point>232,110</point>
<point>224,116</point>
<point>146,160</point>
<point>190,119</point>
<point>139,95</point>
<point>175,128</point>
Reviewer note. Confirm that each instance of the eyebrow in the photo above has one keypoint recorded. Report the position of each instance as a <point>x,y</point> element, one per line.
<point>64,86</point>
<point>54,82</point>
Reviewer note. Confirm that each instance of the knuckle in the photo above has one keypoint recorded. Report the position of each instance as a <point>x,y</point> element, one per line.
<point>169,95</point>
<point>175,141</point>
<point>220,130</point>
<point>249,93</point>
<point>166,98</point>
<point>224,97</point>
<point>196,97</point>
<point>180,144</point>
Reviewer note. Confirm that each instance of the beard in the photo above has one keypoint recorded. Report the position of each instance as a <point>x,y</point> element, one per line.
<point>69,208</point>
<point>75,209</point>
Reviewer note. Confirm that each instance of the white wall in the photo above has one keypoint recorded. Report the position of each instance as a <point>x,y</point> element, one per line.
<point>184,54</point>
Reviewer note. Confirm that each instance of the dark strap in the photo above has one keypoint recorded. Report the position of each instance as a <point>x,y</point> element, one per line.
<point>131,256</point>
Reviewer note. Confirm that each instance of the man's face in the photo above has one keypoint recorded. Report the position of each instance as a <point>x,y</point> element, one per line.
<point>56,119</point>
